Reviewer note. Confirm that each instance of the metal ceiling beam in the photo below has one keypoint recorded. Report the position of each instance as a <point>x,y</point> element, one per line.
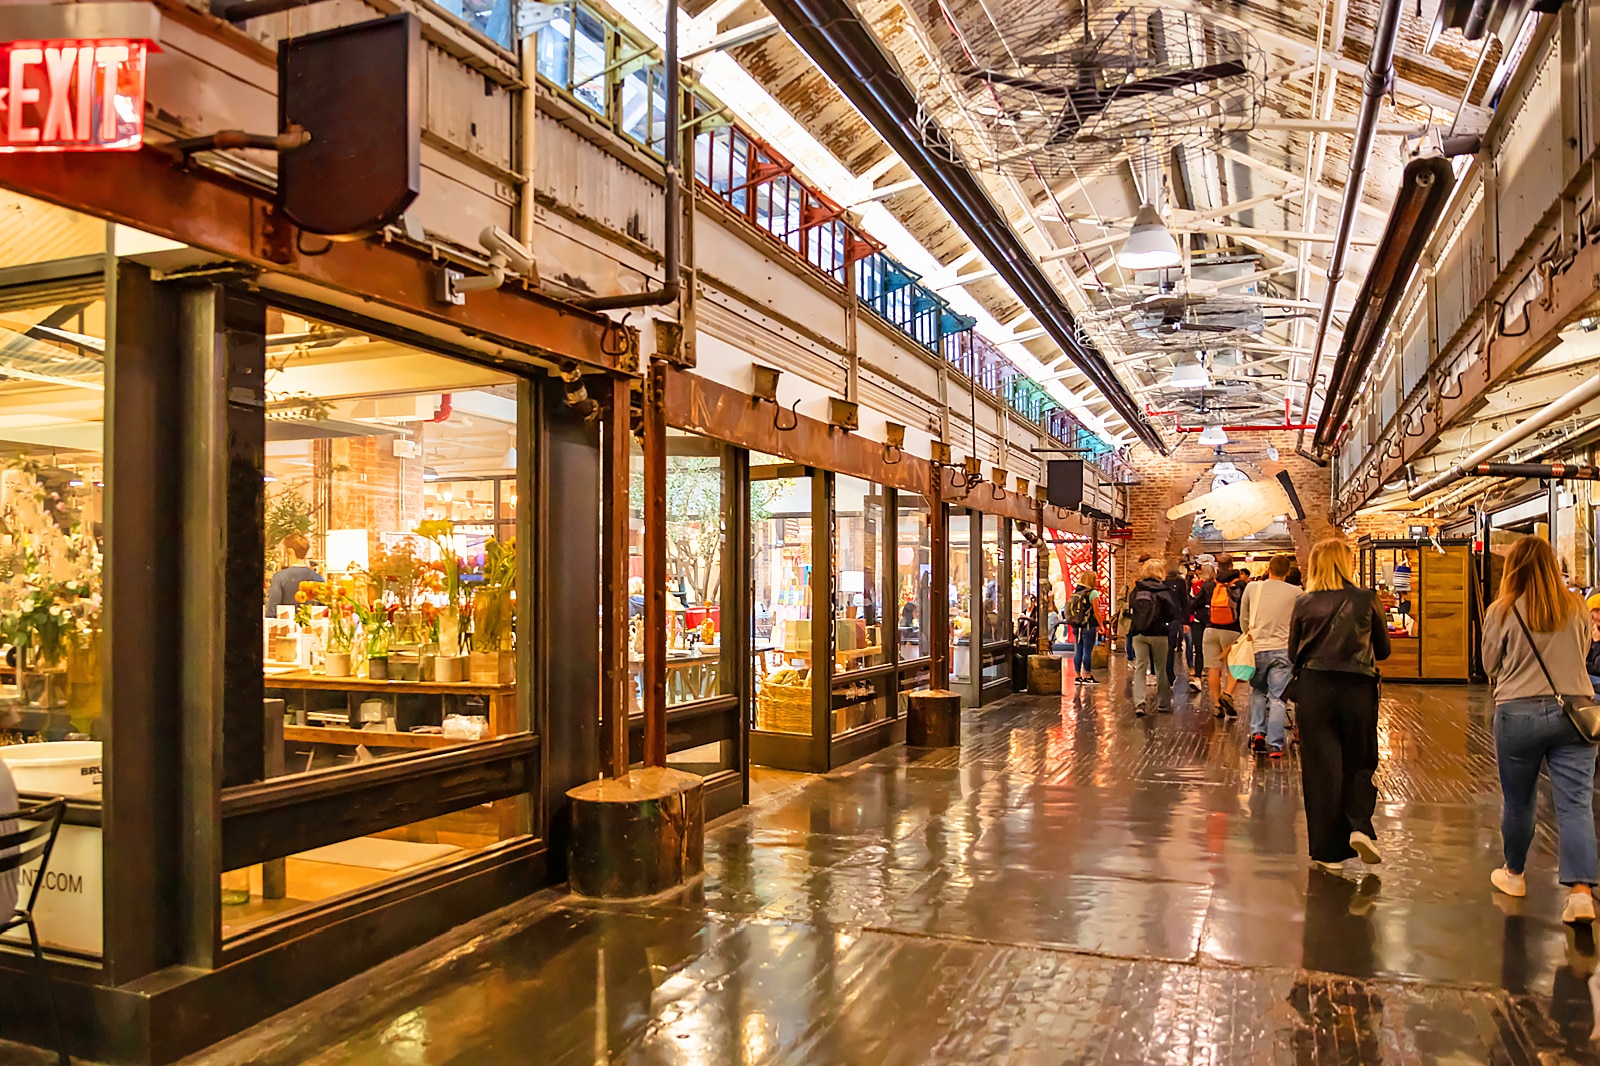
<point>845,50</point>
<point>1246,160</point>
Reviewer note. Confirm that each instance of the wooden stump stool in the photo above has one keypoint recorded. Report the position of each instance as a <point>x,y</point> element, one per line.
<point>636,836</point>
<point>1044,675</point>
<point>933,718</point>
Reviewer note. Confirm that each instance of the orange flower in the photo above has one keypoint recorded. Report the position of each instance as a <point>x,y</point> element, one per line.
<point>301,597</point>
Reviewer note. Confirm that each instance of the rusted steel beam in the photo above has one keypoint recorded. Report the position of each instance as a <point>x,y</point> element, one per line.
<point>716,410</point>
<point>616,697</point>
<point>655,567</point>
<point>150,190</point>
<point>989,499</point>
<point>939,598</point>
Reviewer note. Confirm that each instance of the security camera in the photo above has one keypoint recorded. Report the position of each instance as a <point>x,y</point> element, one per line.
<point>502,245</point>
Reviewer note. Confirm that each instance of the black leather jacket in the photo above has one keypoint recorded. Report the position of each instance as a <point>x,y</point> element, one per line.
<point>1340,630</point>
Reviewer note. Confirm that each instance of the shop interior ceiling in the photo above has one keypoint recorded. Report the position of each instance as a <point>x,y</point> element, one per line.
<point>1249,289</point>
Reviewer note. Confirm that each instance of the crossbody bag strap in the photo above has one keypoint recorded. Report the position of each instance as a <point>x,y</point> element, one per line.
<point>1536,656</point>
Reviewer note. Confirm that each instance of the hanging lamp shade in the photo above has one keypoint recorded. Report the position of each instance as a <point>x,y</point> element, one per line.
<point>1150,245</point>
<point>1189,376</point>
<point>1213,437</point>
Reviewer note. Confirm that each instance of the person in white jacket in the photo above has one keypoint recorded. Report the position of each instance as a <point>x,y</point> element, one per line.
<point>1265,611</point>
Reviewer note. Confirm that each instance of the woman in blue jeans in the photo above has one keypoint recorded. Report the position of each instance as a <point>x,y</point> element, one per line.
<point>1535,643</point>
<point>1085,636</point>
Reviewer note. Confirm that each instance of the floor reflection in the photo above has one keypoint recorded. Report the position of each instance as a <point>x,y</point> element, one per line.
<point>1074,885</point>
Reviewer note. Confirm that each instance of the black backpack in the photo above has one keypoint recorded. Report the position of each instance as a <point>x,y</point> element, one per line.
<point>1146,609</point>
<point>1080,608</point>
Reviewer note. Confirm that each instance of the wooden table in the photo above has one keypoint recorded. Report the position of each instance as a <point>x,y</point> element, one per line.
<point>501,698</point>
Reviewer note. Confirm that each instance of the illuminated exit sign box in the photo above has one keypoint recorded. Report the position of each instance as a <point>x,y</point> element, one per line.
<point>72,76</point>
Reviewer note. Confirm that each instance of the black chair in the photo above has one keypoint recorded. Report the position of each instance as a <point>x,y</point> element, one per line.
<point>18,849</point>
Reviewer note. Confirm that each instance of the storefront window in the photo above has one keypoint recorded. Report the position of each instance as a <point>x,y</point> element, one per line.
<point>915,569</point>
<point>390,586</point>
<point>52,636</point>
<point>695,556</point>
<point>859,575</point>
<point>782,610</point>
<point>1024,576</point>
<point>962,630</point>
<point>996,622</point>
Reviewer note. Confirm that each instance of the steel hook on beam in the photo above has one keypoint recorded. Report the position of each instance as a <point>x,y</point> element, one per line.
<point>794,416</point>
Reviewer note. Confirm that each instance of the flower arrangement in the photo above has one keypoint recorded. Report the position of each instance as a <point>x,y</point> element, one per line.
<point>442,534</point>
<point>493,612</point>
<point>49,618</point>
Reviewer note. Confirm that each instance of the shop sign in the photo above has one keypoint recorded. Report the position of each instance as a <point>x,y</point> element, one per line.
<point>72,95</point>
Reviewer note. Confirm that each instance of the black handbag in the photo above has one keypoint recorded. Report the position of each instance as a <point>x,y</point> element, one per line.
<point>1582,711</point>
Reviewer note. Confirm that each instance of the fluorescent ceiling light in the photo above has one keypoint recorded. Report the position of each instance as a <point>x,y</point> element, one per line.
<point>1150,245</point>
<point>1212,436</point>
<point>1189,376</point>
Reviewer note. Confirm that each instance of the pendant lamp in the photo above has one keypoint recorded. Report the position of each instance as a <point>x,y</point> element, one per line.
<point>1150,245</point>
<point>1189,376</point>
<point>1213,436</point>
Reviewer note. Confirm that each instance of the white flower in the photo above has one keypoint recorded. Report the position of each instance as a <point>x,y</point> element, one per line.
<point>55,610</point>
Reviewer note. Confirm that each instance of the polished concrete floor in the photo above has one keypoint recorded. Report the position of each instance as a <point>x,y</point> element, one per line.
<point>1074,885</point>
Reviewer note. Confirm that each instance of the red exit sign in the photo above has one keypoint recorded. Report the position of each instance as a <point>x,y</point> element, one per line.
<point>72,95</point>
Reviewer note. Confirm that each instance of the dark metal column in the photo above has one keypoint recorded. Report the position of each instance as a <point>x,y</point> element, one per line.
<point>939,594</point>
<point>616,475</point>
<point>655,567</point>
<point>822,548</point>
<point>1040,611</point>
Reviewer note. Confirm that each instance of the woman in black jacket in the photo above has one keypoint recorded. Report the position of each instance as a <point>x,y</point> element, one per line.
<point>1337,634</point>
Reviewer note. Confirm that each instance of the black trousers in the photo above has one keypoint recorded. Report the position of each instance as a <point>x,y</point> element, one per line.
<point>1337,713</point>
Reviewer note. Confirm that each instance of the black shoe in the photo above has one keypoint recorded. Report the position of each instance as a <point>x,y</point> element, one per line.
<point>1164,708</point>
<point>1090,679</point>
<point>1228,707</point>
<point>1138,710</point>
<point>1258,742</point>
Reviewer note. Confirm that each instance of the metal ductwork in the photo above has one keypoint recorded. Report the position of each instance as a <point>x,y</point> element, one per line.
<point>846,51</point>
<point>1424,190</point>
<point>1546,416</point>
<point>1374,83</point>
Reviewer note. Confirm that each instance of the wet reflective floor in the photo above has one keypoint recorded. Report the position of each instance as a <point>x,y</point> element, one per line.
<point>1075,885</point>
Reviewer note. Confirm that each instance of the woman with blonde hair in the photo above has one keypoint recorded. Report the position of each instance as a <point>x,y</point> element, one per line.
<point>1535,642</point>
<point>1337,635</point>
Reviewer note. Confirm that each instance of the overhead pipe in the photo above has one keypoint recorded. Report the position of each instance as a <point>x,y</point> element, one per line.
<point>1545,471</point>
<point>670,267</point>
<point>847,52</point>
<point>1424,189</point>
<point>1548,415</point>
<point>1446,504</point>
<point>1374,83</point>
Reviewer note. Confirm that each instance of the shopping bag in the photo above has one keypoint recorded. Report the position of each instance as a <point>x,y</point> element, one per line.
<point>1242,658</point>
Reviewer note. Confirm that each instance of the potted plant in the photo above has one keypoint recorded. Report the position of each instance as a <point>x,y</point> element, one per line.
<point>442,534</point>
<point>341,628</point>
<point>493,616</point>
<point>45,622</point>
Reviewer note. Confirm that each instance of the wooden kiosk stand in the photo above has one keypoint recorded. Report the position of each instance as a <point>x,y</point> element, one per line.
<point>1425,588</point>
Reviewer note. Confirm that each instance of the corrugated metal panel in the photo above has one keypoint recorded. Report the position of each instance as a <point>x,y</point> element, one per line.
<point>591,182</point>
<point>465,108</point>
<point>1527,161</point>
<point>1460,280</point>
<point>767,346</point>
<point>1414,355</point>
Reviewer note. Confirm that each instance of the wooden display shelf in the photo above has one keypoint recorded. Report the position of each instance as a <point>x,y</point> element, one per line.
<point>501,697</point>
<point>311,734</point>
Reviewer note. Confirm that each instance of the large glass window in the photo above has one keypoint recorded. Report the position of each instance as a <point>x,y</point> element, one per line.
<point>963,633</point>
<point>914,559</point>
<point>782,614</point>
<point>695,539</point>
<point>996,620</point>
<point>589,60</point>
<point>1024,576</point>
<point>389,587</point>
<point>859,576</point>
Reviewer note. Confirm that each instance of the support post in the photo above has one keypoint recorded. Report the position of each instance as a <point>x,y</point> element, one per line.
<point>1041,625</point>
<point>615,698</point>
<point>939,598</point>
<point>655,566</point>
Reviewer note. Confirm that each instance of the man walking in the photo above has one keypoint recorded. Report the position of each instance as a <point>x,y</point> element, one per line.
<point>1221,596</point>
<point>1150,607</point>
<point>1178,593</point>
<point>1265,610</point>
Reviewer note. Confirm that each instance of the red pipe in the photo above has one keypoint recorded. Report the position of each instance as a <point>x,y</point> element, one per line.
<point>445,407</point>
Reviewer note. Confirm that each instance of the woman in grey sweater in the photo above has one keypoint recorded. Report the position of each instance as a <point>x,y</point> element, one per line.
<point>1536,618</point>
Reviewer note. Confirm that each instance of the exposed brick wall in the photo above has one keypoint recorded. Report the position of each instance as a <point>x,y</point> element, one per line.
<point>1169,480</point>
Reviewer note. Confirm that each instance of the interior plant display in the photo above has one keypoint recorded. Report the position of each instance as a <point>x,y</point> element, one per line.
<point>50,602</point>
<point>287,511</point>
<point>442,534</point>
<point>494,614</point>
<point>341,625</point>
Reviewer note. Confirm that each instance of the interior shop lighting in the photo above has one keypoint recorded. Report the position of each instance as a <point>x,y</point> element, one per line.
<point>1150,245</point>
<point>1189,376</point>
<point>1213,436</point>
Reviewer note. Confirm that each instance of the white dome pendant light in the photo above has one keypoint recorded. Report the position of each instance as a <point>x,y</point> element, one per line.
<point>1150,245</point>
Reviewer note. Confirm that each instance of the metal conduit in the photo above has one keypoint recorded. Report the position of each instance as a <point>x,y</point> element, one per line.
<point>851,57</point>
<point>1374,82</point>
<point>1556,410</point>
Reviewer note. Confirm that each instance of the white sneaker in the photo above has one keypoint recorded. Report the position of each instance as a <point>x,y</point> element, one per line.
<point>1330,867</point>
<point>1579,908</point>
<point>1514,885</point>
<point>1366,848</point>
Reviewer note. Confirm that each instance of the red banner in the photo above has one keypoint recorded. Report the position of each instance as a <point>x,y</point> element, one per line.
<point>72,95</point>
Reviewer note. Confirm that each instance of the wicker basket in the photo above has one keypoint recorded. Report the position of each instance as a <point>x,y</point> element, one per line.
<point>783,708</point>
